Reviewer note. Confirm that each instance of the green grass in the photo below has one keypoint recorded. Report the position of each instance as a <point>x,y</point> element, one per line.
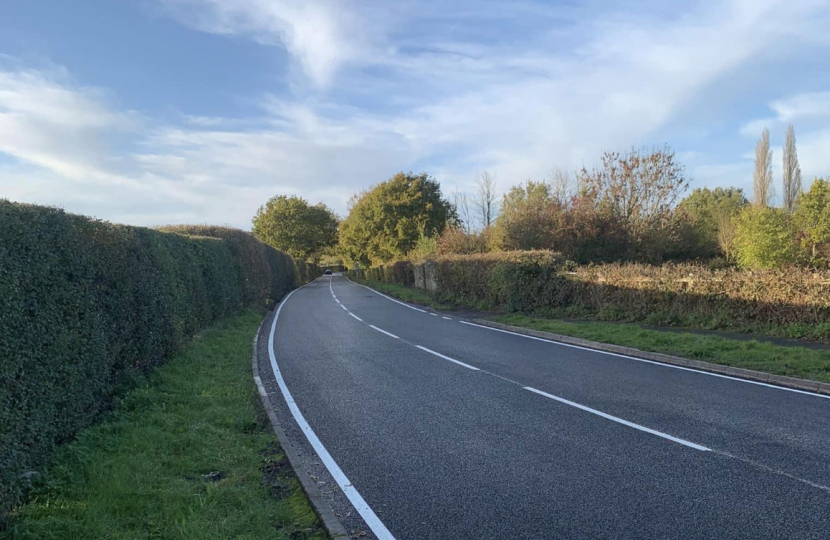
<point>186,455</point>
<point>748,354</point>
<point>407,294</point>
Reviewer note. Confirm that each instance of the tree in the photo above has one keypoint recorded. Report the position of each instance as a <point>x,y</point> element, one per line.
<point>294,226</point>
<point>764,238</point>
<point>640,188</point>
<point>485,201</point>
<point>762,187</point>
<point>387,221</point>
<point>710,213</point>
<point>561,185</point>
<point>813,215</point>
<point>727,233</point>
<point>792,172</point>
<point>462,207</point>
<point>457,241</point>
<point>529,218</point>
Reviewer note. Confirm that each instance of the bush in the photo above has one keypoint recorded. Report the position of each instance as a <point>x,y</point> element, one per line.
<point>257,263</point>
<point>765,238</point>
<point>790,301</point>
<point>88,305</point>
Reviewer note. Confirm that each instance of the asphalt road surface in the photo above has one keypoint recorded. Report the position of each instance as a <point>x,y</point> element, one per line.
<point>423,426</point>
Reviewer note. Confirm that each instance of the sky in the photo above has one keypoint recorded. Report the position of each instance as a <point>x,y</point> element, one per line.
<point>152,112</point>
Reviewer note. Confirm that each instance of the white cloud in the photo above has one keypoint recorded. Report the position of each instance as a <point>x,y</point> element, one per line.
<point>515,88</point>
<point>323,35</point>
<point>809,107</point>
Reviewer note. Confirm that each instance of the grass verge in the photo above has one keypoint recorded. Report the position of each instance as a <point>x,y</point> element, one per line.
<point>748,354</point>
<point>187,455</point>
<point>407,294</point>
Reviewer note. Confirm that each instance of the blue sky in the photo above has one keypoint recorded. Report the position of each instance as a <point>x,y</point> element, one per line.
<point>166,111</point>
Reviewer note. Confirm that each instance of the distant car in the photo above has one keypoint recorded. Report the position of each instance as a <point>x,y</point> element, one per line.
<point>327,272</point>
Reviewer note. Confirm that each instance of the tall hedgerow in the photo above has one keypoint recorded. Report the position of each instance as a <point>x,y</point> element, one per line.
<point>88,304</point>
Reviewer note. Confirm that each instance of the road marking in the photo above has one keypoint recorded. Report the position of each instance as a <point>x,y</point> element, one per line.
<point>439,355</point>
<point>382,331</point>
<point>387,297</point>
<point>661,364</point>
<point>355,316</point>
<point>448,318</point>
<point>619,420</point>
<point>336,300</point>
<point>365,511</point>
<point>344,307</point>
<point>434,314</point>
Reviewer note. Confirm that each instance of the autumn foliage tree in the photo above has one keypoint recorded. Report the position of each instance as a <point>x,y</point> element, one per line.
<point>640,188</point>
<point>530,218</point>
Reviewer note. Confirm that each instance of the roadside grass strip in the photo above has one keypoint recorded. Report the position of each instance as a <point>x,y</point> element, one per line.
<point>758,355</point>
<point>186,455</point>
<point>790,361</point>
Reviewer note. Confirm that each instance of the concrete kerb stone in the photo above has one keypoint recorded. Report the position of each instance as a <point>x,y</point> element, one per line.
<point>320,505</point>
<point>790,382</point>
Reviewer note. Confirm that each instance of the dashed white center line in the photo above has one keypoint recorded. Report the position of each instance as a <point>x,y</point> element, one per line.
<point>344,307</point>
<point>382,331</point>
<point>439,355</point>
<point>619,420</point>
<point>355,316</point>
<point>448,318</point>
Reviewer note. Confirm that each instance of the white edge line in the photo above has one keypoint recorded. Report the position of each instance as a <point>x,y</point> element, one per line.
<point>382,331</point>
<point>368,515</point>
<point>693,370</point>
<point>388,297</point>
<point>439,355</point>
<point>355,316</point>
<point>619,420</point>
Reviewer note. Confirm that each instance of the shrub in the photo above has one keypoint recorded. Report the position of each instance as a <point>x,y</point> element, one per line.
<point>88,304</point>
<point>765,238</point>
<point>781,301</point>
<point>813,216</point>
<point>456,241</point>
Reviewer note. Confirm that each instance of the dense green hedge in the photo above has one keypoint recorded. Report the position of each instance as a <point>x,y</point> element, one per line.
<point>265,274</point>
<point>86,304</point>
<point>793,302</point>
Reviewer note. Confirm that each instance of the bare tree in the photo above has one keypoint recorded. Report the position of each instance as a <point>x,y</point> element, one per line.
<point>762,175</point>
<point>792,172</point>
<point>462,206</point>
<point>641,186</point>
<point>485,201</point>
<point>562,186</point>
<point>726,234</point>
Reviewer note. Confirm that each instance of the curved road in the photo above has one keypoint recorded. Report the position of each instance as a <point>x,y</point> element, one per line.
<point>422,425</point>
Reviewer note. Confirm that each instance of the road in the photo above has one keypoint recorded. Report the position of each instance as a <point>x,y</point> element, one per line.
<point>422,425</point>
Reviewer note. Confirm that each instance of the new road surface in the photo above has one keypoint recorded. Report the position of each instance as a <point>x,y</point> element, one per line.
<point>417,425</point>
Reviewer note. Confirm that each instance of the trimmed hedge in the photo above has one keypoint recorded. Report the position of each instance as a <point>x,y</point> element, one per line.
<point>87,304</point>
<point>264,273</point>
<point>793,302</point>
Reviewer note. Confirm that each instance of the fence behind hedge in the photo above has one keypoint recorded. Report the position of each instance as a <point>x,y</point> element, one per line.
<point>793,302</point>
<point>87,303</point>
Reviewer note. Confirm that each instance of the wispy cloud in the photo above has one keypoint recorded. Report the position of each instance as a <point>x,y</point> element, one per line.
<point>451,87</point>
<point>322,35</point>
